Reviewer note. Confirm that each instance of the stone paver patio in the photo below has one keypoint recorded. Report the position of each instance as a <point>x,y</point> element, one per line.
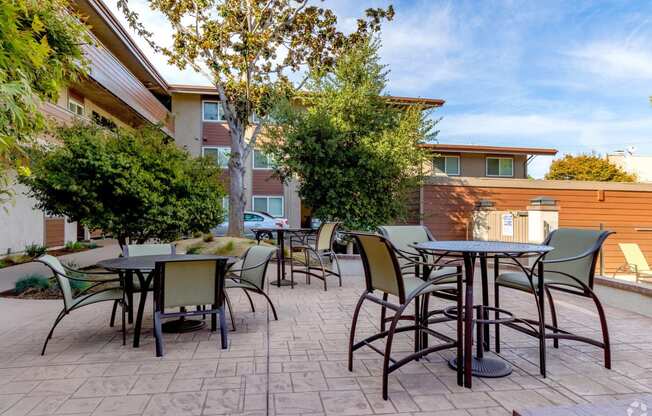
<point>297,366</point>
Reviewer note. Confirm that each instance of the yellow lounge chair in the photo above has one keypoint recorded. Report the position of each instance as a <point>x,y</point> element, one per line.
<point>635,262</point>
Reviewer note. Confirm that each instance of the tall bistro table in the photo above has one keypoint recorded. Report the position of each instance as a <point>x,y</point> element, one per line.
<point>143,268</point>
<point>280,243</point>
<point>469,251</point>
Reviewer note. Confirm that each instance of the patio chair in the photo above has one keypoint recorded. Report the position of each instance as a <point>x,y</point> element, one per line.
<point>635,262</point>
<point>132,284</point>
<point>411,261</point>
<point>249,275</point>
<point>383,273</point>
<point>181,283</point>
<point>317,259</point>
<point>569,268</point>
<point>100,290</point>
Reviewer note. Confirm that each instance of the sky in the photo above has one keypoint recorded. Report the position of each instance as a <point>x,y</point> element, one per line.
<point>572,75</point>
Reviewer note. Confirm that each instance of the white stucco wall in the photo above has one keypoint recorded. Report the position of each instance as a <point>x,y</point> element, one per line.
<point>20,223</point>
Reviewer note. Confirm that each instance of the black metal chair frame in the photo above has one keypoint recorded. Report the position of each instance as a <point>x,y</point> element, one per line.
<point>420,325</point>
<point>216,308</point>
<point>87,293</point>
<point>537,328</point>
<point>307,268</point>
<point>232,276</point>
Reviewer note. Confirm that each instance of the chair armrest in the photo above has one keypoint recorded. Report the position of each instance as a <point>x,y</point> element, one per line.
<point>573,258</point>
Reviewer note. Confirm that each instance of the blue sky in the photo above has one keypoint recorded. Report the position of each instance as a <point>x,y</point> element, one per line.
<point>573,75</point>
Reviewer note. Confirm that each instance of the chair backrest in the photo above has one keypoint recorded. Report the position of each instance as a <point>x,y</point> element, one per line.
<point>381,268</point>
<point>634,256</point>
<point>402,236</point>
<point>326,235</point>
<point>571,242</point>
<point>188,282</point>
<point>132,250</point>
<point>60,274</point>
<point>254,265</point>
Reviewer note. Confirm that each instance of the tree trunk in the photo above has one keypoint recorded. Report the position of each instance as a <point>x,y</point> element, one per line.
<point>236,184</point>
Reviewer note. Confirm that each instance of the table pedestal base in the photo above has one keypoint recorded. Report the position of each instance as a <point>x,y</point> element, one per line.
<point>486,367</point>
<point>179,326</point>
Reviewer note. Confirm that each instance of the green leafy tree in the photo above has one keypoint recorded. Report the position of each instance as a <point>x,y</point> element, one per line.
<point>356,158</point>
<point>132,184</point>
<point>40,53</point>
<point>248,48</point>
<point>587,168</point>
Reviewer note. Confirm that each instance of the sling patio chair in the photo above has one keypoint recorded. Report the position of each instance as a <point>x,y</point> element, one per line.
<point>415,264</point>
<point>317,258</point>
<point>182,283</point>
<point>248,274</point>
<point>382,273</point>
<point>635,262</point>
<point>132,284</point>
<point>569,268</point>
<point>99,290</point>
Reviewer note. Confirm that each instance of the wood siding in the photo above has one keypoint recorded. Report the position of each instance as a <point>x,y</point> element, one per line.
<point>55,232</point>
<point>447,211</point>
<point>106,70</point>
<point>215,134</point>
<point>264,184</point>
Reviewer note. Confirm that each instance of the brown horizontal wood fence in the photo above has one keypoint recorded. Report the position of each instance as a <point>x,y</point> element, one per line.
<point>447,206</point>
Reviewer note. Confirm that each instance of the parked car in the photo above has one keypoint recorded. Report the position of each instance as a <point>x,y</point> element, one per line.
<point>253,219</point>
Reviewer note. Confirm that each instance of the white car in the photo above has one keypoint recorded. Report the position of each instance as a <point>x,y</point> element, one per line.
<point>253,219</point>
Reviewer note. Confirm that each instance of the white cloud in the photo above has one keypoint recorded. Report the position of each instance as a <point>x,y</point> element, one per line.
<point>616,60</point>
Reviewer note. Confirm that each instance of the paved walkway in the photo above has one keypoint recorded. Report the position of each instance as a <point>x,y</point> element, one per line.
<point>9,275</point>
<point>297,365</point>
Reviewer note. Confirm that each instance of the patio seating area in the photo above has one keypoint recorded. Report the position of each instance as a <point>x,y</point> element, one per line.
<point>298,364</point>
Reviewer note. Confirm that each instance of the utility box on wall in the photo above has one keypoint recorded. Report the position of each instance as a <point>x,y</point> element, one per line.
<point>494,225</point>
<point>542,219</point>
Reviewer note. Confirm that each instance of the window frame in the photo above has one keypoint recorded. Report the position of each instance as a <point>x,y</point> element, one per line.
<point>253,161</point>
<point>78,104</point>
<point>499,159</point>
<point>445,157</point>
<point>267,198</point>
<point>220,115</point>
<point>218,151</point>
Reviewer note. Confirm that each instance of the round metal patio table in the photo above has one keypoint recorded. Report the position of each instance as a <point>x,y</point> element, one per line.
<point>143,267</point>
<point>280,253</point>
<point>480,365</point>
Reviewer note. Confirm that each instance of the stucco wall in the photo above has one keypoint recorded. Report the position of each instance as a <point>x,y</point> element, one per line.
<point>475,165</point>
<point>187,115</point>
<point>20,223</point>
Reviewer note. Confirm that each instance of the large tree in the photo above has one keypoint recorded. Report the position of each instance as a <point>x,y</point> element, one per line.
<point>355,156</point>
<point>248,48</point>
<point>587,168</point>
<point>134,185</point>
<point>40,53</point>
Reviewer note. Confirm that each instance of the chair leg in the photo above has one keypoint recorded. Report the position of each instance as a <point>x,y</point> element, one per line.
<point>460,331</point>
<point>388,350</point>
<point>251,302</point>
<point>223,328</point>
<point>158,334</point>
<point>124,323</point>
<point>270,304</point>
<point>417,319</point>
<point>605,331</point>
<point>113,311</point>
<point>339,269</point>
<point>56,322</point>
<point>497,315</point>
<point>383,313</point>
<point>228,304</point>
<point>424,320</point>
<point>354,322</point>
<point>553,317</point>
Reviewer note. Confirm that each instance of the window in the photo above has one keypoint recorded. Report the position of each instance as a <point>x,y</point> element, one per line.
<point>219,154</point>
<point>103,121</point>
<point>212,111</point>
<point>273,205</point>
<point>76,107</point>
<point>500,166</point>
<point>253,218</point>
<point>450,165</point>
<point>261,160</point>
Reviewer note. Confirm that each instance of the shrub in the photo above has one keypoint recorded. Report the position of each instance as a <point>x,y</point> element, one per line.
<point>208,237</point>
<point>197,234</point>
<point>32,281</point>
<point>226,249</point>
<point>35,250</point>
<point>74,245</point>
<point>194,249</point>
